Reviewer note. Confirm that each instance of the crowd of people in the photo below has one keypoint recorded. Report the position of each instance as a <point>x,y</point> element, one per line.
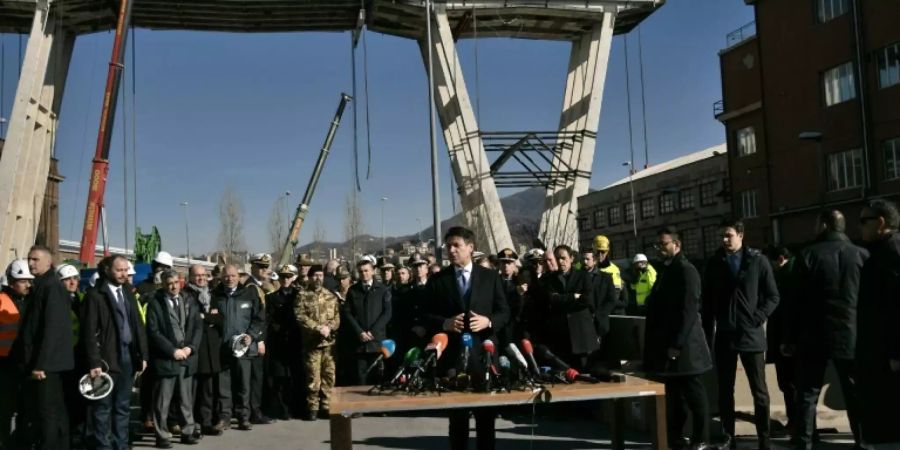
<point>245,346</point>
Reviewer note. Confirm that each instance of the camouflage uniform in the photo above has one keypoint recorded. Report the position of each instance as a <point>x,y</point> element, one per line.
<point>315,308</point>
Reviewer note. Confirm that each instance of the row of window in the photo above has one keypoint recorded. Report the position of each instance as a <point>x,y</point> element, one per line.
<point>666,203</point>
<point>839,83</point>
<point>695,243</point>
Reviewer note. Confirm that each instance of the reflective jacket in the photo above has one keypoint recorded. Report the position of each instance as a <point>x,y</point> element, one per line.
<point>9,323</point>
<point>643,285</point>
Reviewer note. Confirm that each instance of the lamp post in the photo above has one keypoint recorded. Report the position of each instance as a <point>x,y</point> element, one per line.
<point>187,230</point>
<point>633,209</point>
<point>816,136</point>
<point>383,246</point>
<point>419,232</point>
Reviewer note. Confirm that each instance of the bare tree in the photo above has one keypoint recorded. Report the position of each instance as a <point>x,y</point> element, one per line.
<point>231,225</point>
<point>278,227</point>
<point>353,224</point>
<point>318,237</point>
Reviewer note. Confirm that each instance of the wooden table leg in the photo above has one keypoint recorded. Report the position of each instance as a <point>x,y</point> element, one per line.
<point>618,424</point>
<point>341,432</point>
<point>660,438</point>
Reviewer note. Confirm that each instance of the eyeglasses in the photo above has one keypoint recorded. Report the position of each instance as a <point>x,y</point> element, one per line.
<point>864,219</point>
<point>663,244</point>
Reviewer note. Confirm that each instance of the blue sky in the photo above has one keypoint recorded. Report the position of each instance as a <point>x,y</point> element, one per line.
<point>251,110</point>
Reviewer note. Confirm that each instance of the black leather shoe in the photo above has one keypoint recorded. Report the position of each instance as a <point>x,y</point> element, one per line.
<point>163,443</point>
<point>324,414</point>
<point>190,440</point>
<point>222,425</point>
<point>245,425</point>
<point>729,443</point>
<point>311,416</point>
<point>211,431</point>
<point>261,420</point>
<point>703,446</point>
<point>680,444</point>
<point>198,433</point>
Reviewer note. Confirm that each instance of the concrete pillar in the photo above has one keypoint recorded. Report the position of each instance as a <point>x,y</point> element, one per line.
<point>478,194</point>
<point>25,163</point>
<point>580,117</point>
<point>48,230</point>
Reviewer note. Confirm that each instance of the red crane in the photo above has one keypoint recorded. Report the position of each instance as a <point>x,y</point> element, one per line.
<point>100,168</point>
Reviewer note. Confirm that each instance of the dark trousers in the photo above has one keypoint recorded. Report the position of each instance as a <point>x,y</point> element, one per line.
<point>257,379</point>
<point>683,394</point>
<point>755,368</point>
<point>148,380</point>
<point>363,361</point>
<point>181,387</point>
<point>810,377</point>
<point>484,428</point>
<point>786,373</point>
<point>281,395</point>
<point>46,410</point>
<point>206,390</point>
<point>110,415</point>
<point>235,380</point>
<point>10,379</point>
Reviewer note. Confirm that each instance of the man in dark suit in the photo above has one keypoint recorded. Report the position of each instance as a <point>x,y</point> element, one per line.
<point>466,298</point>
<point>825,321</point>
<point>174,331</point>
<point>569,306</point>
<point>367,312</point>
<point>739,294</point>
<point>113,337</point>
<point>675,348</point>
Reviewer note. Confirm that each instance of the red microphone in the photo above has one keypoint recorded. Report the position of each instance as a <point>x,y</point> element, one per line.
<point>529,352</point>
<point>489,350</point>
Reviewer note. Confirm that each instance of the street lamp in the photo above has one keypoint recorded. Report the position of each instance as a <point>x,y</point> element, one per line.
<point>816,136</point>
<point>419,221</point>
<point>383,246</point>
<point>187,230</point>
<point>633,209</point>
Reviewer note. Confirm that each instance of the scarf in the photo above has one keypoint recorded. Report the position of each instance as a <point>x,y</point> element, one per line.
<point>202,295</point>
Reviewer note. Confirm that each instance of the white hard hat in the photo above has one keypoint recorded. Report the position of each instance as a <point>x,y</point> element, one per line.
<point>96,388</point>
<point>94,278</point>
<point>131,269</point>
<point>640,257</point>
<point>273,276</point>
<point>370,258</point>
<point>238,347</point>
<point>66,271</point>
<point>18,270</point>
<point>164,258</point>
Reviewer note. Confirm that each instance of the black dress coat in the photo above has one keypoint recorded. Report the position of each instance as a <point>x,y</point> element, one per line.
<point>283,340</point>
<point>367,311</point>
<point>570,320</point>
<point>44,340</point>
<point>100,334</point>
<point>161,336</point>
<point>673,321</point>
<point>209,353</point>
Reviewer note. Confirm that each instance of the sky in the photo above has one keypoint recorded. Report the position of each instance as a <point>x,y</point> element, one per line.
<point>207,110</point>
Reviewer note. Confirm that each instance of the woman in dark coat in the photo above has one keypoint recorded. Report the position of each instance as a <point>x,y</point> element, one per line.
<point>675,347</point>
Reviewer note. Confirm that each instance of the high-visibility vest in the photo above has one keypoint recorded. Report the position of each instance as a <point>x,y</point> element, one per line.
<point>613,271</point>
<point>9,323</point>
<point>644,284</point>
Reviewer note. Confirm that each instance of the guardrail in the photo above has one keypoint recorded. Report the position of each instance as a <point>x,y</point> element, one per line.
<point>740,35</point>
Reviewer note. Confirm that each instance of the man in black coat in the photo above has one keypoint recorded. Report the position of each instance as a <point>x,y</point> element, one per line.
<point>675,348</point>
<point>783,263</point>
<point>824,319</point>
<point>209,353</point>
<point>408,312</point>
<point>878,341</point>
<point>569,305</point>
<point>739,294</point>
<point>366,312</point>
<point>114,340</point>
<point>514,330</point>
<point>174,331</point>
<point>283,339</point>
<point>466,298</point>
<point>44,348</point>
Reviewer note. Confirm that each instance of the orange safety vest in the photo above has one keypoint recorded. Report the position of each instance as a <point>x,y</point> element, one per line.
<point>9,323</point>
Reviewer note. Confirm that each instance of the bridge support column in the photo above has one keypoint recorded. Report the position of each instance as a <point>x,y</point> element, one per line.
<point>478,193</point>
<point>25,163</point>
<point>588,60</point>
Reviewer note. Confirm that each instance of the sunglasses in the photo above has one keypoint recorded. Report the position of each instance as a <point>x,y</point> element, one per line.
<point>865,219</point>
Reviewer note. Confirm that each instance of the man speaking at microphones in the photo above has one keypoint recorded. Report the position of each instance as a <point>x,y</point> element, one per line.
<point>466,298</point>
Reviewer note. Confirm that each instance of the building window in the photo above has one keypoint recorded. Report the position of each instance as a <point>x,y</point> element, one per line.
<point>708,193</point>
<point>667,203</point>
<point>830,9</point>
<point>615,215</point>
<point>584,224</point>
<point>839,84</point>
<point>748,204</point>
<point>686,199</point>
<point>599,219</point>
<point>891,159</point>
<point>648,208</point>
<point>690,242</point>
<point>889,65</point>
<point>711,239</point>
<point>746,141</point>
<point>845,170</point>
<point>629,212</point>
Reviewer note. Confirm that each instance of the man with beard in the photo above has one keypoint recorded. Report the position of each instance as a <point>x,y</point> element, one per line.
<point>568,306</point>
<point>318,314</point>
<point>209,360</point>
<point>12,303</point>
<point>283,340</point>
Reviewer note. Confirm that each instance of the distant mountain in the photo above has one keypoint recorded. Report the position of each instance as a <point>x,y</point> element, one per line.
<point>523,214</point>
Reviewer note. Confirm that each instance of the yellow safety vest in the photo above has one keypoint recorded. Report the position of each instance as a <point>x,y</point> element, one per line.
<point>644,284</point>
<point>613,271</point>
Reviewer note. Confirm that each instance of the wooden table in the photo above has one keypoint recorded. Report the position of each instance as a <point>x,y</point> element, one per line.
<point>346,401</point>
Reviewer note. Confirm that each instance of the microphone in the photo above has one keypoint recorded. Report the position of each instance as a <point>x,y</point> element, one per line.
<point>467,346</point>
<point>515,354</point>
<point>504,363</point>
<point>573,375</point>
<point>489,367</point>
<point>529,351</point>
<point>387,349</point>
<point>435,349</point>
<point>412,355</point>
<point>545,354</point>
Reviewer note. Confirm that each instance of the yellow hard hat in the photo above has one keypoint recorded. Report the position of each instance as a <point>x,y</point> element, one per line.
<point>601,243</point>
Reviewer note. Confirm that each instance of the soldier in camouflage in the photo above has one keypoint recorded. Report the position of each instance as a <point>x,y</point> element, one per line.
<point>318,314</point>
